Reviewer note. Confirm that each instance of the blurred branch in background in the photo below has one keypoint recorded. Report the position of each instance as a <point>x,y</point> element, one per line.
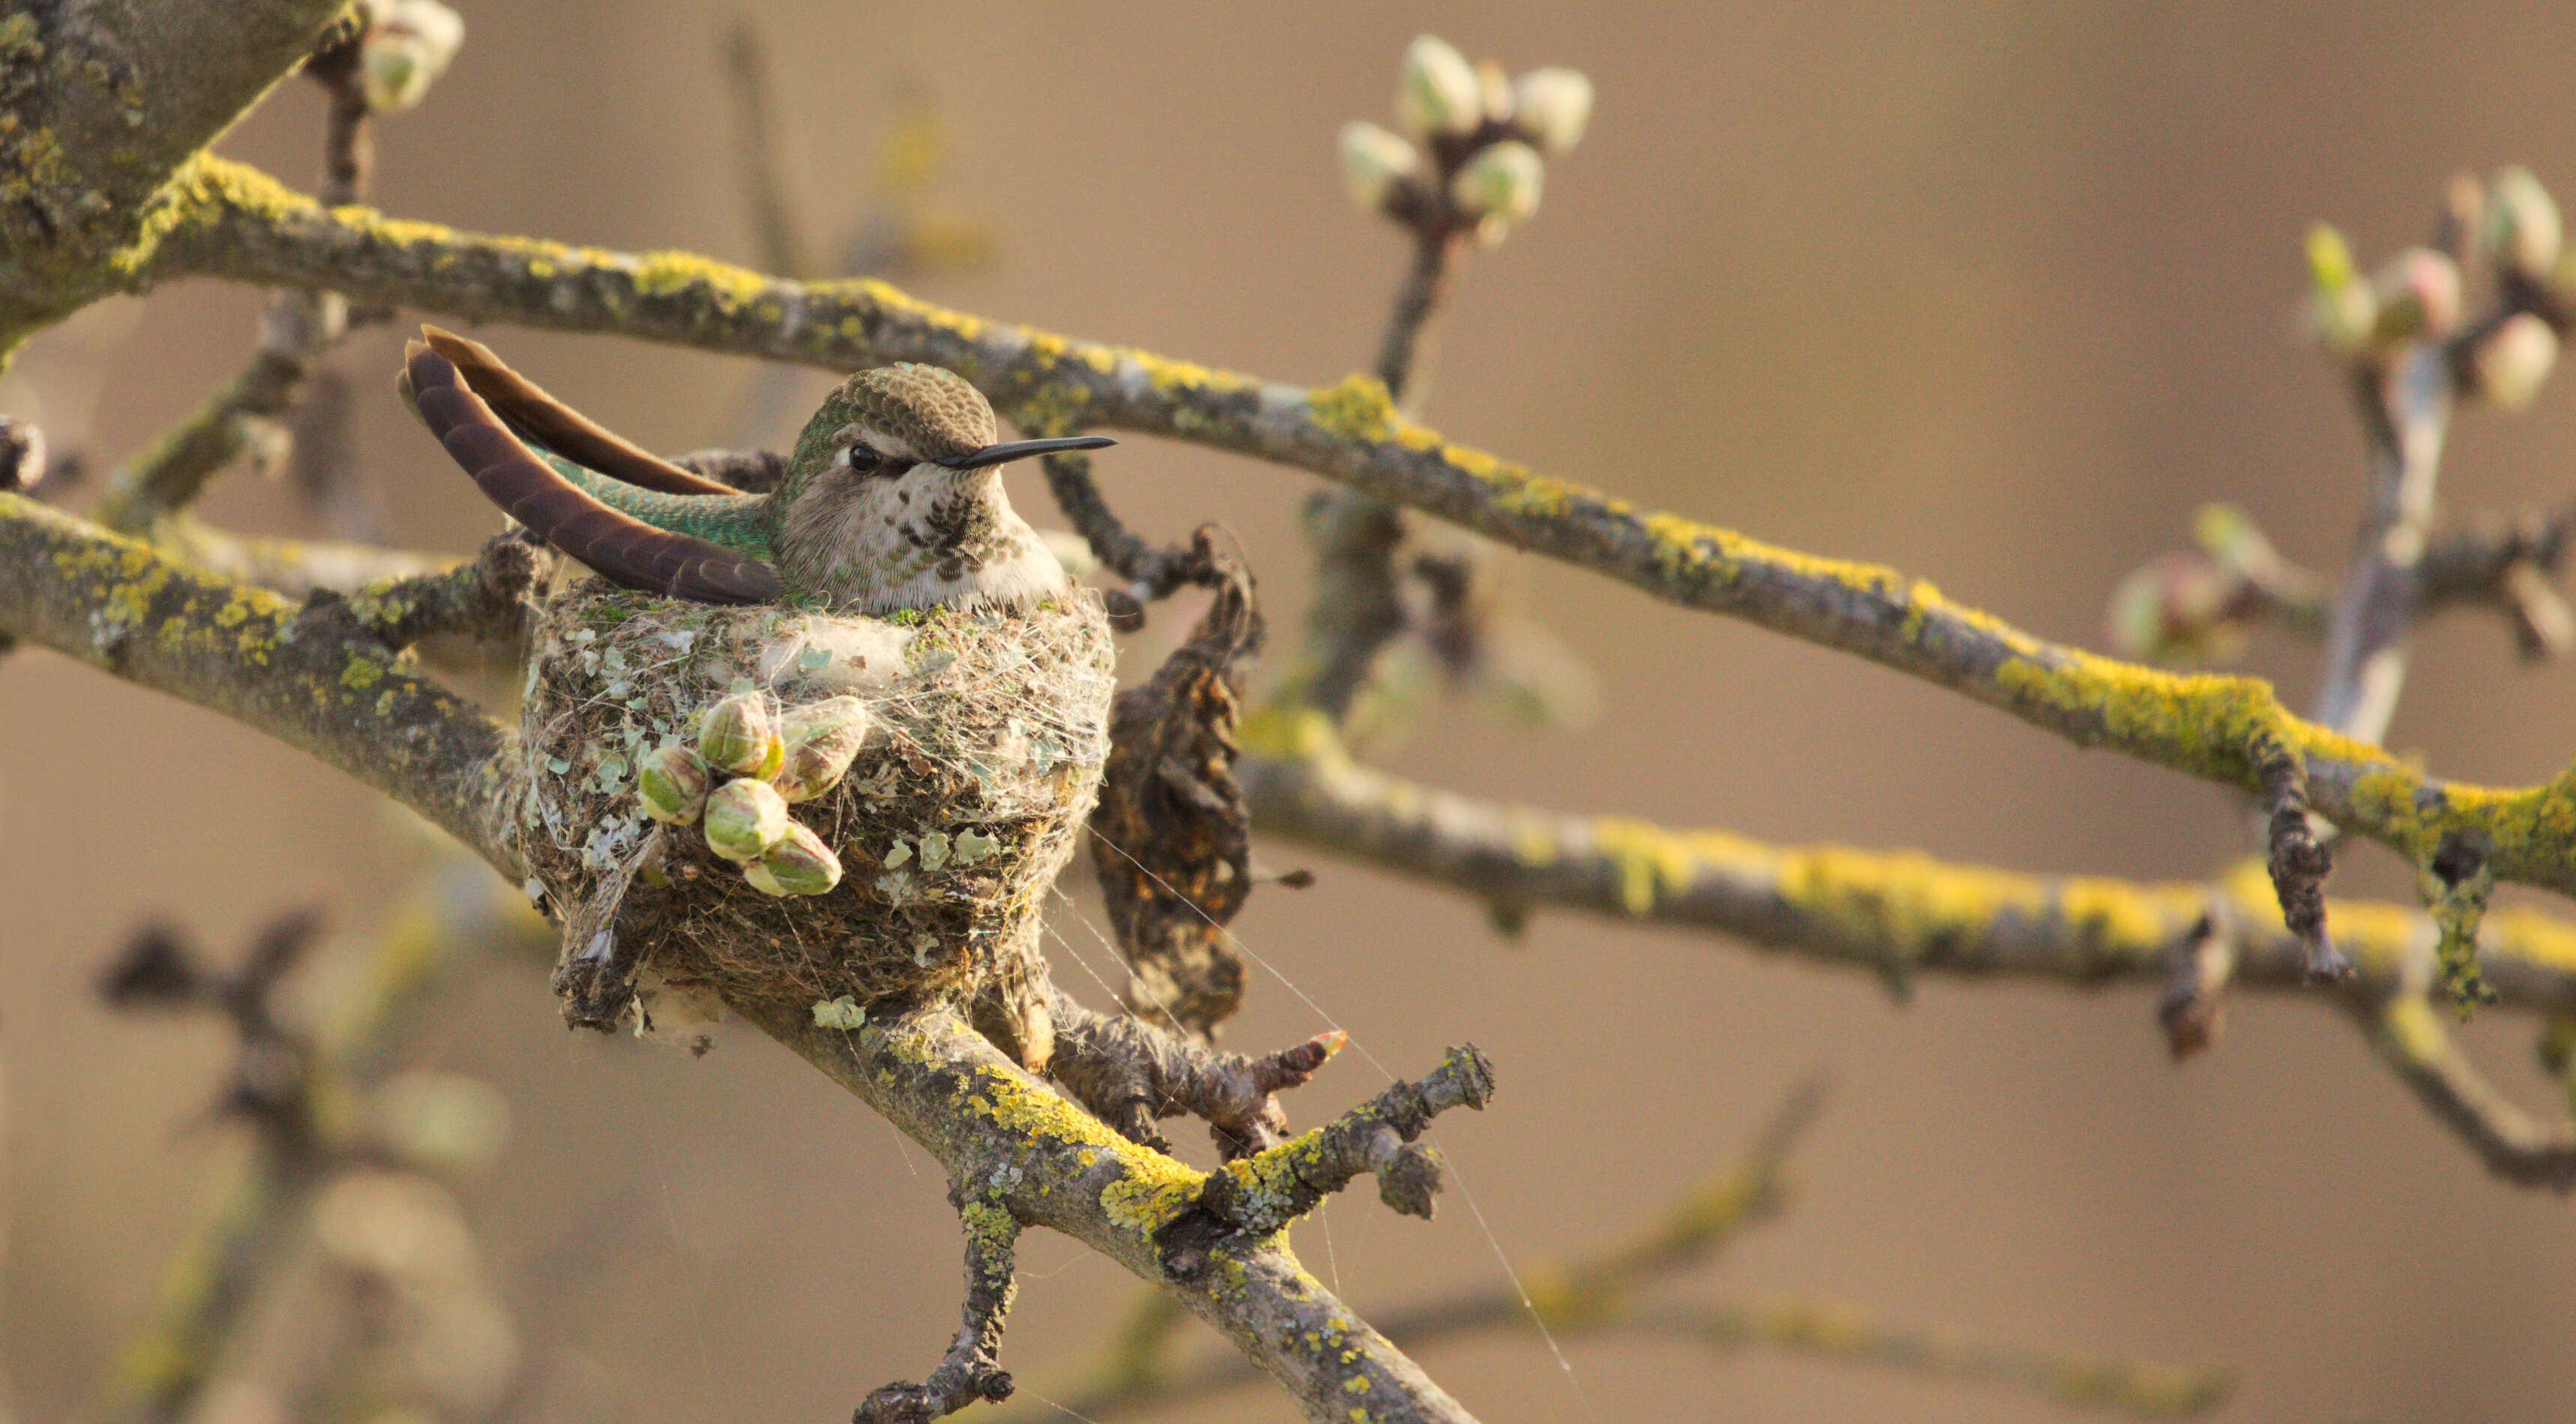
<point>1607,1294</point>
<point>331,1123</point>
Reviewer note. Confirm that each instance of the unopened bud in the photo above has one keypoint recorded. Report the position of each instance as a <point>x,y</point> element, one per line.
<point>672,783</point>
<point>1501,182</point>
<point>2523,230</point>
<point>820,739</point>
<point>2417,294</point>
<point>1373,162</point>
<point>2511,361</point>
<point>2180,605</point>
<point>745,818</point>
<point>1438,92</point>
<point>2340,309</point>
<point>798,865</point>
<point>739,736</point>
<point>1494,91</point>
<point>1552,105</point>
<point>405,50</point>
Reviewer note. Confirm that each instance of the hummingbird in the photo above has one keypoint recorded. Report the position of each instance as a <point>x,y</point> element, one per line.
<point>892,498</point>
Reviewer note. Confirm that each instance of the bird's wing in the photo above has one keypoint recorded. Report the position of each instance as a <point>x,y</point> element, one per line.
<point>624,550</point>
<point>525,407</point>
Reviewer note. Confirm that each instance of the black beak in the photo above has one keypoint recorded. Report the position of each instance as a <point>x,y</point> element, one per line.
<point>1022,449</point>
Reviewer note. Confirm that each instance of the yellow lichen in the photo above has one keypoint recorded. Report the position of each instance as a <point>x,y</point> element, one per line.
<point>1358,409</point>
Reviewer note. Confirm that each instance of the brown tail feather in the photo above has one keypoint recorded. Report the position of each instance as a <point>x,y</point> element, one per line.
<point>622,549</point>
<point>524,405</point>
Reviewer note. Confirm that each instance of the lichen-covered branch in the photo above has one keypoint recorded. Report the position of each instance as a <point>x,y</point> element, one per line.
<point>311,677</point>
<point>1132,1074</point>
<point>239,224</point>
<point>248,416</point>
<point>291,568</point>
<point>1894,914</point>
<point>971,1371</point>
<point>103,101</point>
<point>1841,1334</point>
<point>1007,1139</point>
<point>1603,1293</point>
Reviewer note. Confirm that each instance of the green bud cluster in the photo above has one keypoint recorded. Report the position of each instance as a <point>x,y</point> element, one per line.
<point>2193,605</point>
<point>735,784</point>
<point>2509,224</point>
<point>1475,158</point>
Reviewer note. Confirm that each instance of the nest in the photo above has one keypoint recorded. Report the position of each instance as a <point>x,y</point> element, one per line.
<point>986,736</point>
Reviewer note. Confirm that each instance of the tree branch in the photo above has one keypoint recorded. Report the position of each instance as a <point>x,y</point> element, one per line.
<point>237,223</point>
<point>1898,915</point>
<point>313,678</point>
<point>2514,1145</point>
<point>1599,1293</point>
<point>106,98</point>
<point>1007,1139</point>
<point>217,1276</point>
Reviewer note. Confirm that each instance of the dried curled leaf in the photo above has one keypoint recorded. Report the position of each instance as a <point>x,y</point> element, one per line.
<point>1171,837</point>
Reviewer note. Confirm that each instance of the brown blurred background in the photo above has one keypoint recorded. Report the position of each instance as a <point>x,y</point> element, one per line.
<point>1997,293</point>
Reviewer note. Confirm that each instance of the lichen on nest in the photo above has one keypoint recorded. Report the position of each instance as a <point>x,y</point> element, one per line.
<point>986,735</point>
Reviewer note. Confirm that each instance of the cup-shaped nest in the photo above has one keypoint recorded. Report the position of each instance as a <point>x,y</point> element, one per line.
<point>985,735</point>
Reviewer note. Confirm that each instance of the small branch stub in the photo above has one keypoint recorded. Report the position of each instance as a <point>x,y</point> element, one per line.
<point>1263,1193</point>
<point>2298,863</point>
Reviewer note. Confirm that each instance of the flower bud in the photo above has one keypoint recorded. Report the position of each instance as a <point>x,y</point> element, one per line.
<point>1438,92</point>
<point>1373,162</point>
<point>2523,229</point>
<point>739,736</point>
<point>405,51</point>
<point>820,739</point>
<point>2179,606</point>
<point>2417,294</point>
<point>2340,310</point>
<point>1493,91</point>
<point>745,818</point>
<point>1552,105</point>
<point>2512,360</point>
<point>673,784</point>
<point>798,865</point>
<point>1501,182</point>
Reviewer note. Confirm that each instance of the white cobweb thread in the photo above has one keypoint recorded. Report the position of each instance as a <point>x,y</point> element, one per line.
<point>1492,1242</point>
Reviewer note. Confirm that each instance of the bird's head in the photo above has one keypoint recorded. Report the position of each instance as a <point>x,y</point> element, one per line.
<point>922,427</point>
